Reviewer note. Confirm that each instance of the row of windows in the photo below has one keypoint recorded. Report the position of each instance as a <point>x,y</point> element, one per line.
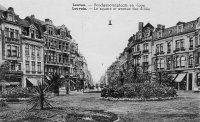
<point>56,57</point>
<point>33,64</point>
<point>13,50</point>
<point>32,49</point>
<point>12,33</point>
<point>177,62</point>
<point>56,44</point>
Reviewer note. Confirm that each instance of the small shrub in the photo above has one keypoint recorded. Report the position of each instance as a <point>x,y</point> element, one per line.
<point>16,92</point>
<point>140,90</point>
<point>3,103</point>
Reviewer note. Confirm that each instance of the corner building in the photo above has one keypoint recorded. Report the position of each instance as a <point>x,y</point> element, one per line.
<point>174,50</point>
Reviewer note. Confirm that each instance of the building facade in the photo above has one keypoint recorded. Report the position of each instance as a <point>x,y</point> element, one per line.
<point>32,58</point>
<point>11,45</point>
<point>174,50</point>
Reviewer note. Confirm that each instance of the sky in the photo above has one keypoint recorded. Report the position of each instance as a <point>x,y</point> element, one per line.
<point>99,42</point>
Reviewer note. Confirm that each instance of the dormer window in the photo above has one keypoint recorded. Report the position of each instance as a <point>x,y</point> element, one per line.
<point>139,36</point>
<point>32,34</point>
<point>180,28</point>
<point>11,17</point>
<point>37,34</point>
<point>160,34</point>
<point>192,25</point>
<point>50,31</point>
<point>62,33</point>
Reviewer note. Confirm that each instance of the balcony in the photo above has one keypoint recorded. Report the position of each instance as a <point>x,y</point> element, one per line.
<point>145,51</point>
<point>162,52</point>
<point>182,49</point>
<point>11,39</point>
<point>136,53</point>
<point>190,66</point>
<point>15,72</point>
<point>191,48</point>
<point>168,51</point>
<point>177,49</point>
<point>145,63</point>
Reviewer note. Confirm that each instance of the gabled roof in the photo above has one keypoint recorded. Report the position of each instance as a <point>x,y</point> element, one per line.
<point>148,25</point>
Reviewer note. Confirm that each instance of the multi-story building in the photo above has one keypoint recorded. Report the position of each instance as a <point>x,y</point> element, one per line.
<point>11,44</point>
<point>33,57</point>
<point>139,48</point>
<point>58,47</point>
<point>174,50</point>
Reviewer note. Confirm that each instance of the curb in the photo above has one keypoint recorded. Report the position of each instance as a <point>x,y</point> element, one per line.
<point>137,99</point>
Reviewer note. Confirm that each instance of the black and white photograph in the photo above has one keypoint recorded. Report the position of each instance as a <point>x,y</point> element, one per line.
<point>99,61</point>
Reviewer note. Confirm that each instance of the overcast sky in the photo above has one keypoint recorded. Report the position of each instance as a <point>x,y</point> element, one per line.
<point>99,42</point>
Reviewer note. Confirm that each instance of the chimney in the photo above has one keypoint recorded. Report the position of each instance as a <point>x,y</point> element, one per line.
<point>32,16</point>
<point>140,26</point>
<point>11,9</point>
<point>47,20</point>
<point>159,26</point>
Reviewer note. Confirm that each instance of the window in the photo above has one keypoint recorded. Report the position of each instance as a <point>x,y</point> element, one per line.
<point>160,34</point>
<point>12,66</point>
<point>162,63</point>
<point>27,66</point>
<point>191,60</point>
<point>38,52</point>
<point>27,50</point>
<point>60,45</point>
<point>6,32</point>
<point>138,47</point>
<point>168,63</point>
<point>191,42</point>
<point>39,66</point>
<point>157,48</point>
<point>146,58</point>
<point>182,61</point>
<point>33,66</point>
<point>179,28</point>
<point>50,31</point>
<point>32,34</point>
<point>67,46</point>
<point>33,52</point>
<point>37,34</point>
<point>161,47</point>
<point>8,50</point>
<point>10,17</point>
<point>168,47</point>
<point>180,44</point>
<point>16,34</point>
<point>177,61</point>
<point>14,51</point>
<point>11,33</point>
<point>146,46</point>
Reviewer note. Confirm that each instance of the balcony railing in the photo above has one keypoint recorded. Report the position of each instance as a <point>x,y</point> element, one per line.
<point>145,51</point>
<point>11,39</point>
<point>191,48</point>
<point>136,53</point>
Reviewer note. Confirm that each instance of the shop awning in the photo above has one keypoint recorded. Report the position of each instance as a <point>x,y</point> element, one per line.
<point>33,81</point>
<point>180,77</point>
